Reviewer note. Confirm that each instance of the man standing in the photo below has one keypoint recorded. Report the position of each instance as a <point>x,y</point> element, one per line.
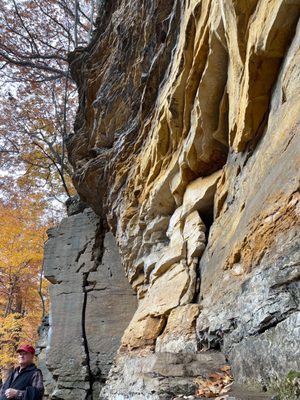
<point>26,381</point>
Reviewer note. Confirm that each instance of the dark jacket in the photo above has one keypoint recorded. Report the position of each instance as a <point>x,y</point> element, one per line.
<point>29,381</point>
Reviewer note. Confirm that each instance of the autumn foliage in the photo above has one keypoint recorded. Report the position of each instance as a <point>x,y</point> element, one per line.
<point>37,106</point>
<point>38,96</point>
<point>22,292</point>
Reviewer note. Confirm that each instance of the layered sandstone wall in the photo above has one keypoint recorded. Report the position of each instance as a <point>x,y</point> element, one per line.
<point>187,144</point>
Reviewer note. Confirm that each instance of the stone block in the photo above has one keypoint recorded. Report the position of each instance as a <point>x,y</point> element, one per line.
<point>91,306</point>
<point>199,194</point>
<point>179,334</point>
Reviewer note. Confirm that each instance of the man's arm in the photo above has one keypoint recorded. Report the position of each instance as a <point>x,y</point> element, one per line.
<point>37,383</point>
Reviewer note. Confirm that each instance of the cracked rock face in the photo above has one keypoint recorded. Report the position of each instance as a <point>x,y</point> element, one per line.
<point>187,143</point>
<point>91,305</point>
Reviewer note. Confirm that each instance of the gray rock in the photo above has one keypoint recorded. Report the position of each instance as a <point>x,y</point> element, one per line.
<point>74,205</point>
<point>258,326</point>
<point>270,355</point>
<point>159,375</point>
<point>91,305</point>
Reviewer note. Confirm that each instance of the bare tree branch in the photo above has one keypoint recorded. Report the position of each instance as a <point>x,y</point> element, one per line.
<point>29,64</point>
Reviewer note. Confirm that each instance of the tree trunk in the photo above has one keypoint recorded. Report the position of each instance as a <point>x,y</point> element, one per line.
<point>76,22</point>
<point>11,293</point>
<point>91,19</point>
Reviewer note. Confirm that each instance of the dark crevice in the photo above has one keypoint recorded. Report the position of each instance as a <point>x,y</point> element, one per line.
<point>110,272</point>
<point>270,323</point>
<point>88,287</point>
<point>273,321</point>
<point>208,219</point>
<point>81,252</point>
<point>211,340</point>
<point>89,393</point>
<point>163,326</point>
<point>196,298</point>
<point>80,266</point>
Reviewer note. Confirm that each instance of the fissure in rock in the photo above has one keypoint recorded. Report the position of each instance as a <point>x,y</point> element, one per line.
<point>83,338</point>
<point>90,377</point>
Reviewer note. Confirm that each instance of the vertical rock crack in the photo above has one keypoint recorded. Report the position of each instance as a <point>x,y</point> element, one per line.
<point>97,254</point>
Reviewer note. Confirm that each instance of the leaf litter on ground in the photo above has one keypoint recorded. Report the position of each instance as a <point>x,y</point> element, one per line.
<point>216,385</point>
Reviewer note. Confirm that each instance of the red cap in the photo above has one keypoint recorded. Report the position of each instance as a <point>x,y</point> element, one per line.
<point>27,348</point>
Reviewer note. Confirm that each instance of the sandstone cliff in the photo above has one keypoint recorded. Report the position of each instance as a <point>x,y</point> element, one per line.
<point>186,145</point>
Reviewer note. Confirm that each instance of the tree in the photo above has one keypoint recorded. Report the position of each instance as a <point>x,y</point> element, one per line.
<point>38,94</point>
<point>23,231</point>
<point>37,36</point>
<point>31,128</point>
<point>21,242</point>
<point>37,105</point>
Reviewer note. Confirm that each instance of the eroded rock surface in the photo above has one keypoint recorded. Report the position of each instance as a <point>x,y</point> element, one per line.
<point>187,143</point>
<point>159,376</point>
<point>91,305</point>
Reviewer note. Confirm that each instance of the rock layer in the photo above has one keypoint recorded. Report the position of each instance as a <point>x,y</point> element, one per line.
<point>91,305</point>
<point>186,142</point>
